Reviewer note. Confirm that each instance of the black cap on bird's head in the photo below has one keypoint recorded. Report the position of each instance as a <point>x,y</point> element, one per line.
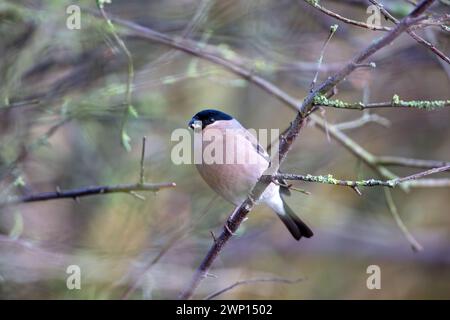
<point>208,116</point>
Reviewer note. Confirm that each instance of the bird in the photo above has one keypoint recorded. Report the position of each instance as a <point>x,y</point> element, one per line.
<point>232,178</point>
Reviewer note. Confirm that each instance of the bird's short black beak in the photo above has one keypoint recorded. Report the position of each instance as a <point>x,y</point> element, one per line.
<point>191,124</point>
<point>195,124</point>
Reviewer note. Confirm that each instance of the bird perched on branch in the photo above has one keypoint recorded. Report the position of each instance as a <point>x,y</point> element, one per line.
<point>233,161</point>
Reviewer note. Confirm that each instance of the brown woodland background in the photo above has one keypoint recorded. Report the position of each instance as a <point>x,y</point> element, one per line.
<point>67,135</point>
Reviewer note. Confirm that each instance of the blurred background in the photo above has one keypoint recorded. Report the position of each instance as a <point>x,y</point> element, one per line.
<point>62,96</point>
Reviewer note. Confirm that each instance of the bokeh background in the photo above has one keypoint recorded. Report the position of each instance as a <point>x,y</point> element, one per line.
<point>61,109</point>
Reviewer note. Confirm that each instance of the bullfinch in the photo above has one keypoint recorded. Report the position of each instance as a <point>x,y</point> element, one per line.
<point>243,163</point>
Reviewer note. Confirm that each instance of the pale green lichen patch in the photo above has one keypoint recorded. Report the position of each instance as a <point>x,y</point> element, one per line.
<point>420,104</point>
<point>392,183</point>
<point>19,182</point>
<point>101,3</point>
<point>313,2</point>
<point>322,100</point>
<point>362,183</point>
<point>322,179</point>
<point>334,28</point>
<point>331,180</point>
<point>263,66</point>
<point>395,100</point>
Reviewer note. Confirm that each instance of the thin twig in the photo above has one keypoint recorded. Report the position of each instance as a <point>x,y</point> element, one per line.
<point>409,162</point>
<point>129,87</point>
<point>429,183</point>
<point>141,171</point>
<point>199,16</point>
<point>332,14</point>
<point>363,120</point>
<point>23,103</point>
<point>333,30</point>
<point>415,245</point>
<point>251,281</point>
<point>421,174</point>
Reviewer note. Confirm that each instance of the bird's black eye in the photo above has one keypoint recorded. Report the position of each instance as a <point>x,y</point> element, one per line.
<point>211,120</point>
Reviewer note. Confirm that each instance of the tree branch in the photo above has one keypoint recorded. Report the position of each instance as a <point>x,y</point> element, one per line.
<point>87,191</point>
<point>396,102</point>
<point>329,179</point>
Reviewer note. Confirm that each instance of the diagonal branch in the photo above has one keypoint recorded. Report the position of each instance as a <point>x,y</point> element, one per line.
<point>415,245</point>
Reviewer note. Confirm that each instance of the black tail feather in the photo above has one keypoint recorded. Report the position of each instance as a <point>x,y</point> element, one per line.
<point>295,225</point>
